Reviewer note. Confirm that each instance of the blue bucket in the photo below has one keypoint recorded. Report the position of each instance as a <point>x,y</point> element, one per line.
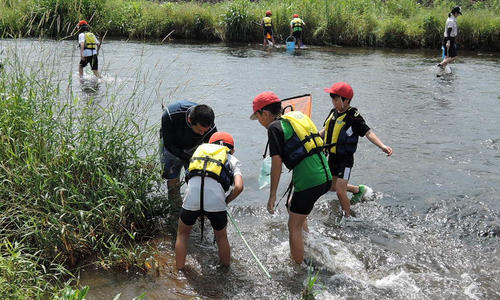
<point>290,43</point>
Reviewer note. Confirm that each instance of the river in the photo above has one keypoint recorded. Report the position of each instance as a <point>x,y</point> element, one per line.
<point>432,231</point>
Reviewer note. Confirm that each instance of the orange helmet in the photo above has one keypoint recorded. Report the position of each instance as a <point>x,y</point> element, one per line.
<point>269,13</point>
<point>222,138</point>
<point>295,15</point>
<point>82,23</point>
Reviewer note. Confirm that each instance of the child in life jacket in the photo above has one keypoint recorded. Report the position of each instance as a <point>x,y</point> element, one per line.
<point>212,171</point>
<point>89,49</point>
<point>340,132</point>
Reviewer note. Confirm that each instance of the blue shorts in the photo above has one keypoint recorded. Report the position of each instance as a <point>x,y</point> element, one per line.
<point>172,164</point>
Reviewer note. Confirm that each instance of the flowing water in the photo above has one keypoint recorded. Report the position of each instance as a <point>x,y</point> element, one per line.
<point>432,230</point>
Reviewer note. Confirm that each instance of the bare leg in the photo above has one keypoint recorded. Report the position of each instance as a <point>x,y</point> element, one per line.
<point>181,244</point>
<point>223,245</point>
<point>80,71</point>
<point>96,73</point>
<point>295,226</point>
<point>341,188</point>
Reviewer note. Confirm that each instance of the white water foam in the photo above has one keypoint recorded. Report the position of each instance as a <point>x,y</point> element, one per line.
<point>333,256</point>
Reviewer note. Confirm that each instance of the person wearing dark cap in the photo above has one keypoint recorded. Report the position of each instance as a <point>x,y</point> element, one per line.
<point>213,170</point>
<point>450,34</point>
<point>89,49</point>
<point>295,141</point>
<point>184,126</point>
<point>340,132</point>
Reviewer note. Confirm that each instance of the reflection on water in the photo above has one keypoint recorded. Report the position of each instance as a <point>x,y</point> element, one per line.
<point>431,233</point>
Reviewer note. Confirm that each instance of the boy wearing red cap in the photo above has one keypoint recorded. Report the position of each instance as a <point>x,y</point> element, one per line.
<point>267,24</point>
<point>294,141</point>
<point>296,27</point>
<point>89,49</point>
<point>212,171</point>
<point>340,131</point>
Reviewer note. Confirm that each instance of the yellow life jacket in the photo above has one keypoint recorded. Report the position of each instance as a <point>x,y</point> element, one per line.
<point>211,160</point>
<point>305,141</point>
<point>267,22</point>
<point>336,134</point>
<point>297,24</point>
<point>90,41</point>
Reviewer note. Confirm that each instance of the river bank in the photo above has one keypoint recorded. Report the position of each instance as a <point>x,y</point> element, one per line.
<point>359,23</point>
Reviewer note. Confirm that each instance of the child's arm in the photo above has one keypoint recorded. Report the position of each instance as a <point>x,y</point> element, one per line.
<point>238,188</point>
<point>372,137</point>
<point>276,165</point>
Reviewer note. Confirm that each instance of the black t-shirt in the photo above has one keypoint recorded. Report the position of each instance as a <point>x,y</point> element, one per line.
<point>276,138</point>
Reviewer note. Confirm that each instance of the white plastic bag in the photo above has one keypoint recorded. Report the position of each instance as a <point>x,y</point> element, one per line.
<point>265,173</point>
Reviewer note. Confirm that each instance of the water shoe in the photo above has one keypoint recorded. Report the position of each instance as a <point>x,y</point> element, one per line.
<point>359,195</point>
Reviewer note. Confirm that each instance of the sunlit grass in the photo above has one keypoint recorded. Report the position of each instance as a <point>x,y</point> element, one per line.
<point>80,181</point>
<point>391,23</point>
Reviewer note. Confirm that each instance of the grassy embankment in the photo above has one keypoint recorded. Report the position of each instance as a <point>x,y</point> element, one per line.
<point>372,23</point>
<point>77,181</point>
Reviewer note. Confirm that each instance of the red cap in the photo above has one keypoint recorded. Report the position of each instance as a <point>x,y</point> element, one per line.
<point>82,22</point>
<point>223,138</point>
<point>269,13</point>
<point>342,89</point>
<point>262,100</point>
<point>295,15</point>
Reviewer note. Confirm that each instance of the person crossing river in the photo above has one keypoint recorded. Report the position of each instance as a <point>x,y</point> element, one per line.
<point>293,140</point>
<point>341,130</point>
<point>89,49</point>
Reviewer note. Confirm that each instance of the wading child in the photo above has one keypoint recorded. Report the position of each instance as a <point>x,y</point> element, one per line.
<point>212,171</point>
<point>89,49</point>
<point>341,130</point>
<point>294,141</point>
<point>267,25</point>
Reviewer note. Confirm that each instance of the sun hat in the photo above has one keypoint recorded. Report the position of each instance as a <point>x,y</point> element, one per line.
<point>342,89</point>
<point>262,100</point>
<point>457,9</point>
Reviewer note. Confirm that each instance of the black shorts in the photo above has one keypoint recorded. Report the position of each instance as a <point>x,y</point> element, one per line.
<point>341,165</point>
<point>268,30</point>
<point>303,202</point>
<point>217,219</point>
<point>90,59</point>
<point>453,48</point>
<point>297,34</point>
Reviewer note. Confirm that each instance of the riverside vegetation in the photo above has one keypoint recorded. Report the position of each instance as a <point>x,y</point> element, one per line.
<point>370,23</point>
<point>78,181</point>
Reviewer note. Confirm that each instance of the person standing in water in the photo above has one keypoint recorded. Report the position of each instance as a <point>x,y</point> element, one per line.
<point>296,27</point>
<point>184,126</point>
<point>341,130</point>
<point>267,25</point>
<point>450,34</point>
<point>212,171</point>
<point>293,140</point>
<point>89,49</point>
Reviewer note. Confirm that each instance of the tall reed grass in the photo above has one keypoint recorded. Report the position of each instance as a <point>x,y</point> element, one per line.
<point>381,23</point>
<point>78,181</point>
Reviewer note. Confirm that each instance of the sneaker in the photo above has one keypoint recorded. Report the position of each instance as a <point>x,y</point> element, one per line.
<point>359,195</point>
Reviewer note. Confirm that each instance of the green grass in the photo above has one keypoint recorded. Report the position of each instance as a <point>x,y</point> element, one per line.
<point>78,181</point>
<point>377,23</point>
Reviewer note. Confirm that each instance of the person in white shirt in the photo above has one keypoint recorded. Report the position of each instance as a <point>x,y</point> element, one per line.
<point>450,34</point>
<point>89,49</point>
<point>212,171</point>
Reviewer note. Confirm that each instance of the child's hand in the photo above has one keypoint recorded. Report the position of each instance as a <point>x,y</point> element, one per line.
<point>270,204</point>
<point>387,150</point>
